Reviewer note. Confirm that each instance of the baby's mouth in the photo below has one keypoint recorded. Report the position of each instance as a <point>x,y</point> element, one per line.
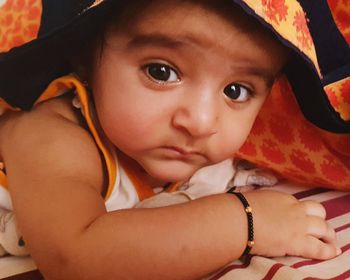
<point>183,153</point>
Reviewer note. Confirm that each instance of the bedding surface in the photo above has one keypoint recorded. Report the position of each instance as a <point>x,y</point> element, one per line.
<point>337,205</point>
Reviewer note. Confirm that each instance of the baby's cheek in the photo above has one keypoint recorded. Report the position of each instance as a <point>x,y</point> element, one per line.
<point>232,141</point>
<point>129,135</point>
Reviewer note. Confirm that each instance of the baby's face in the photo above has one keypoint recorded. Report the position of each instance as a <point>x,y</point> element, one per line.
<point>181,87</point>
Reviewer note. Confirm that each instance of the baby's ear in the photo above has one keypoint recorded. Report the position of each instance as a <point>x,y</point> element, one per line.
<point>80,69</point>
<point>82,62</point>
<point>80,65</point>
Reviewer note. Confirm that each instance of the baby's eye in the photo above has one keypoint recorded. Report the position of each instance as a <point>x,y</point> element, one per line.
<point>237,92</point>
<point>161,73</point>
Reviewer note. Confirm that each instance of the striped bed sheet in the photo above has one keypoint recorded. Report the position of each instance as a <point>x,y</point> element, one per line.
<point>337,205</point>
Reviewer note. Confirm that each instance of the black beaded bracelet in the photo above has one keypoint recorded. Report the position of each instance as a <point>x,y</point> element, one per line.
<point>248,210</point>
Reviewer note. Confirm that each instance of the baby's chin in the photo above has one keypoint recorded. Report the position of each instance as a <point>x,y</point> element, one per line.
<point>173,172</point>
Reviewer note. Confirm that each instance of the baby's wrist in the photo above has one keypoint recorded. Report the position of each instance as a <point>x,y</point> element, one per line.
<point>250,222</point>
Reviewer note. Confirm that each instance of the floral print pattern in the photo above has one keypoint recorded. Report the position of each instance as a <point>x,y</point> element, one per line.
<point>285,142</point>
<point>304,36</point>
<point>284,16</point>
<point>276,10</point>
<point>19,22</point>
<point>339,96</point>
<point>341,14</point>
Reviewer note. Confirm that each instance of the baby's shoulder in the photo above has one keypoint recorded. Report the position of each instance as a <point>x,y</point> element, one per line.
<point>46,114</point>
<point>60,106</point>
<point>57,107</point>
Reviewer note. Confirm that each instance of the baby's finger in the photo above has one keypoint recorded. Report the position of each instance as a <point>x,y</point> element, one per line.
<point>316,249</point>
<point>320,229</point>
<point>313,208</point>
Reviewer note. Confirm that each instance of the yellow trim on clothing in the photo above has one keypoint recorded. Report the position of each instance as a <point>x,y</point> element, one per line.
<point>73,82</point>
<point>174,187</point>
<point>143,190</point>
<point>59,87</point>
<point>3,180</point>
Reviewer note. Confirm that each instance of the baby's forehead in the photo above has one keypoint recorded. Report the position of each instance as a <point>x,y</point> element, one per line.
<point>199,17</point>
<point>200,22</point>
<point>180,12</point>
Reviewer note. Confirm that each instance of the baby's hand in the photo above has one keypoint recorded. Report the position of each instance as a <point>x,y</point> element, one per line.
<point>285,226</point>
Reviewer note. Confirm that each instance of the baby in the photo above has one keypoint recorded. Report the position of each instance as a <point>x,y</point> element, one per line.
<point>161,90</point>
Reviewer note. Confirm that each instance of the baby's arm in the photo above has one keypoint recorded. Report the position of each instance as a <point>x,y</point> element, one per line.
<point>56,176</point>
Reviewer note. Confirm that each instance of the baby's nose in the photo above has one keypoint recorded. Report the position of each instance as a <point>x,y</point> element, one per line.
<point>197,115</point>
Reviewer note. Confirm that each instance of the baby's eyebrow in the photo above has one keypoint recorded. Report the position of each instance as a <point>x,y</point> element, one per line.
<point>161,40</point>
<point>263,73</point>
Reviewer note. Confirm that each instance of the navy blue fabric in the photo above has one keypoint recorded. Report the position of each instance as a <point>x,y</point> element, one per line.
<point>333,52</point>
<point>60,12</point>
<point>312,99</point>
<point>336,75</point>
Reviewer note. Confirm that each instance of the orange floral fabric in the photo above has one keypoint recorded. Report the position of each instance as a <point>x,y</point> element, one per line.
<point>341,14</point>
<point>339,95</point>
<point>19,22</point>
<point>285,142</point>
